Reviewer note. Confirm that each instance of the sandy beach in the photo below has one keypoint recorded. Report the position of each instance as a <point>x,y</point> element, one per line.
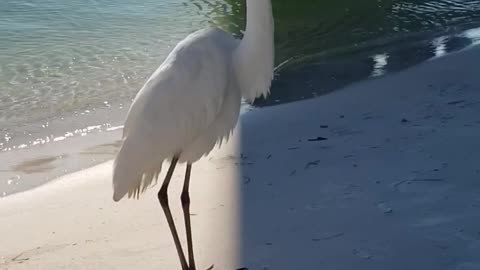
<point>383,174</point>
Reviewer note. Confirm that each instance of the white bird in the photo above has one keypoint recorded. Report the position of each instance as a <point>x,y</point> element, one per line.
<point>190,104</point>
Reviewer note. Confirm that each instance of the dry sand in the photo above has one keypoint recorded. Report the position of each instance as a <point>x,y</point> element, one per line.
<point>395,186</point>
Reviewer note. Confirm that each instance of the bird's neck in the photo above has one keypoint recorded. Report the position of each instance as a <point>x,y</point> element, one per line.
<point>254,57</point>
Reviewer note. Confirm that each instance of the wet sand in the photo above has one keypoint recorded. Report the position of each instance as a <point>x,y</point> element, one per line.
<point>58,147</point>
<point>379,175</point>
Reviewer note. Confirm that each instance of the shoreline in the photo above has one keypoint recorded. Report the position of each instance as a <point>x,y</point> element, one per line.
<point>44,151</point>
<point>395,179</point>
<point>57,148</point>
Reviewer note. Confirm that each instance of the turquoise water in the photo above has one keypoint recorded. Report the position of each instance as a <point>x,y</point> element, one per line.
<point>57,57</point>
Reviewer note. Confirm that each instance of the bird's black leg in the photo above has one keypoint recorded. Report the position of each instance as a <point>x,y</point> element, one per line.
<point>186,213</point>
<point>163,190</point>
<point>163,198</point>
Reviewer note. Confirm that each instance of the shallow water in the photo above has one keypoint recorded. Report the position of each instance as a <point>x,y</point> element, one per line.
<point>69,69</point>
<point>57,57</point>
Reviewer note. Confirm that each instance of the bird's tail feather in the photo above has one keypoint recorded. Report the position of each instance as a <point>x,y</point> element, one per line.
<point>133,172</point>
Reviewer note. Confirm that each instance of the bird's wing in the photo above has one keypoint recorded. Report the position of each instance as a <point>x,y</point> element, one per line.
<point>178,103</point>
<point>186,92</point>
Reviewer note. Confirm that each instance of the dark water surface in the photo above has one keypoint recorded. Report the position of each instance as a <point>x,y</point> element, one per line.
<point>328,44</point>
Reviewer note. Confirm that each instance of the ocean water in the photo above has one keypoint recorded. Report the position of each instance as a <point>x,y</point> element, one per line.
<point>71,68</point>
<point>58,57</point>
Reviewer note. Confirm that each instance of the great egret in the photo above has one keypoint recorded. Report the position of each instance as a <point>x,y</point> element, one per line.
<point>191,103</point>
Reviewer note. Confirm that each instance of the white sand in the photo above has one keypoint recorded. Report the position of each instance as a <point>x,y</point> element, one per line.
<point>378,194</point>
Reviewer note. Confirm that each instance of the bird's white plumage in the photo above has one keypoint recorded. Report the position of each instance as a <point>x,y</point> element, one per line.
<point>192,101</point>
